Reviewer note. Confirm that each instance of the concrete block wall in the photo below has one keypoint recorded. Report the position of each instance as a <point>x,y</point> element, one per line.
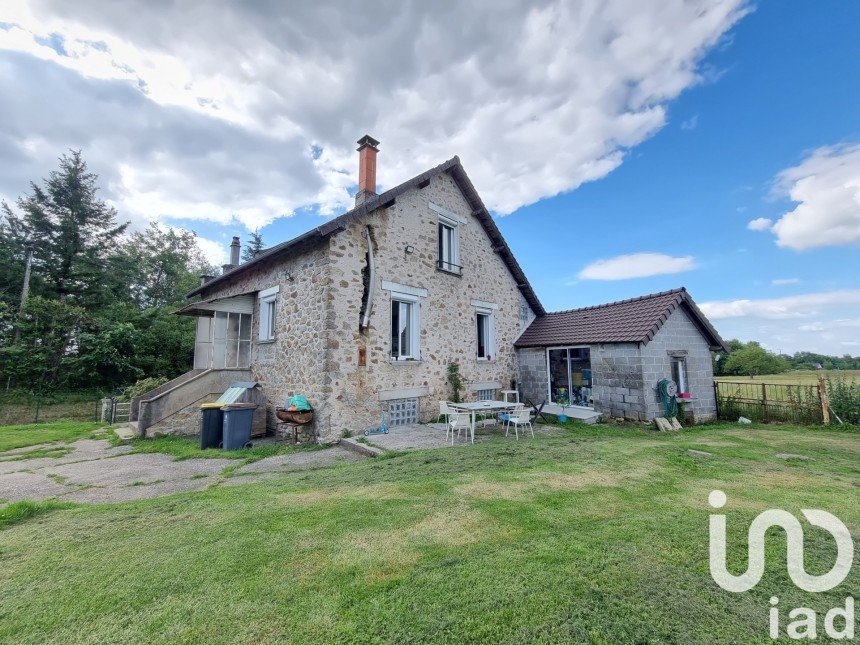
<point>532,380</point>
<point>679,333</point>
<point>617,380</point>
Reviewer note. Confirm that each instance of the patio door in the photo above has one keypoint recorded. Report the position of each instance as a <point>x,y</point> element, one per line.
<point>569,371</point>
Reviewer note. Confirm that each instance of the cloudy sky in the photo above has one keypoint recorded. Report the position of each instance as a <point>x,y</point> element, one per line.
<point>626,146</point>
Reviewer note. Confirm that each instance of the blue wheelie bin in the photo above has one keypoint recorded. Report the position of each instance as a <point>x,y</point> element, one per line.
<point>238,419</point>
<point>211,425</point>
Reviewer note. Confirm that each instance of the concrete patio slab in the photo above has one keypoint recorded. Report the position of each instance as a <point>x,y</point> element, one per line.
<point>97,472</point>
<point>130,469</point>
<point>82,450</point>
<point>432,435</point>
<point>301,460</point>
<point>15,487</point>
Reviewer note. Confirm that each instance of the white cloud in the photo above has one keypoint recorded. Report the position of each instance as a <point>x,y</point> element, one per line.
<point>760,224</point>
<point>536,101</point>
<point>801,306</point>
<point>781,282</point>
<point>214,251</point>
<point>691,123</point>
<point>826,188</point>
<point>636,265</point>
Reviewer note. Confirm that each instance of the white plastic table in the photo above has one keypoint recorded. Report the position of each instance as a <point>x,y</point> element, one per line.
<point>481,406</point>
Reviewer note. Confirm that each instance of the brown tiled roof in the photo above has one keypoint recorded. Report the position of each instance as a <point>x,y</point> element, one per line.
<point>626,321</point>
<point>386,199</point>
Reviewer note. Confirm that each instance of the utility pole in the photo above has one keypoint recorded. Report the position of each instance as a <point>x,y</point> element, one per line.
<point>25,290</point>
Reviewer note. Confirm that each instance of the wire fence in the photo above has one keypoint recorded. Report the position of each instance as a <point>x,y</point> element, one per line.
<point>19,408</point>
<point>772,402</point>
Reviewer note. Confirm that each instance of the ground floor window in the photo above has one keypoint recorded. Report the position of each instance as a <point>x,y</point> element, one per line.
<point>486,395</point>
<point>679,373</point>
<point>570,379</point>
<point>404,330</point>
<point>402,412</point>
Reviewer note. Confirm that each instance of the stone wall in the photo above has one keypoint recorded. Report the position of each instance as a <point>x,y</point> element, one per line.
<point>447,316</point>
<point>294,362</point>
<point>678,334</point>
<point>317,339</point>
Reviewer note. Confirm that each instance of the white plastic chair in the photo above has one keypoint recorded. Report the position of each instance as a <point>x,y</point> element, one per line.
<point>505,416</point>
<point>459,421</point>
<point>520,418</point>
<point>446,411</point>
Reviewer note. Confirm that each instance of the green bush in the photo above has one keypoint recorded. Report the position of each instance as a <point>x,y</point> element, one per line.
<point>844,397</point>
<point>143,386</point>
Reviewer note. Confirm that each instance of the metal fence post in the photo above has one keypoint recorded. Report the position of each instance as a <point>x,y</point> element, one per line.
<point>764,402</point>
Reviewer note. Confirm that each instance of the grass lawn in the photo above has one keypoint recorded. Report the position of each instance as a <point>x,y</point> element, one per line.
<point>33,434</point>
<point>598,535</point>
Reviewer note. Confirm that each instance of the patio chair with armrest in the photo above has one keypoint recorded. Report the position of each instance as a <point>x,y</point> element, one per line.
<point>505,416</point>
<point>520,418</point>
<point>458,421</point>
<point>445,410</point>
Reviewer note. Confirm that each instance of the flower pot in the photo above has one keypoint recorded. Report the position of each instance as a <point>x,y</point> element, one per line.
<point>562,418</point>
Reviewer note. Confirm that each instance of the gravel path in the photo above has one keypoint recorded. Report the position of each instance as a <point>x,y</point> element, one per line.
<point>94,471</point>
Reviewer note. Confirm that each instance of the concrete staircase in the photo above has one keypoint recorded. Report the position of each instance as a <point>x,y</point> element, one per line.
<point>174,396</point>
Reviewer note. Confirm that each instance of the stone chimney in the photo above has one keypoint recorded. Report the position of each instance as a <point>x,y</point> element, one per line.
<point>234,255</point>
<point>367,149</point>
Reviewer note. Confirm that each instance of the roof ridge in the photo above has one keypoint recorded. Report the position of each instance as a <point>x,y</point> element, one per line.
<point>649,296</point>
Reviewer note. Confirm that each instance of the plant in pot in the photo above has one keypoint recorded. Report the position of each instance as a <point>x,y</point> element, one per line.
<point>562,401</point>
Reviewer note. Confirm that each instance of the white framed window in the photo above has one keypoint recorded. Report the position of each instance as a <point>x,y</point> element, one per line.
<point>449,245</point>
<point>485,333</point>
<point>679,373</point>
<point>268,305</point>
<point>404,327</point>
<point>405,320</point>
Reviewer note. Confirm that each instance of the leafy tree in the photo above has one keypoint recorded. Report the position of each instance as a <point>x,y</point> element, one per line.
<point>719,358</point>
<point>48,331</point>
<point>753,359</point>
<point>72,231</point>
<point>253,247</point>
<point>104,356</point>
<point>159,266</point>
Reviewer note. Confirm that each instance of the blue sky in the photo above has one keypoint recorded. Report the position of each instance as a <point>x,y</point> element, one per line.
<point>747,105</point>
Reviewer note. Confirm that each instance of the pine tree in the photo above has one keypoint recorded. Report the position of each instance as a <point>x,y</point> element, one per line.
<point>72,231</point>
<point>254,246</point>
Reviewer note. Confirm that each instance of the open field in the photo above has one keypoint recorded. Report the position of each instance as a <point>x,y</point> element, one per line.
<point>797,377</point>
<point>599,535</point>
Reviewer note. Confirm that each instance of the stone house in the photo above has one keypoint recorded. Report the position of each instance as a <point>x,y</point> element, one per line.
<point>365,312</point>
<point>611,357</point>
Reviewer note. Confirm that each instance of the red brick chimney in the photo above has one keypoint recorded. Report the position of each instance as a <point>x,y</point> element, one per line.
<point>367,149</point>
